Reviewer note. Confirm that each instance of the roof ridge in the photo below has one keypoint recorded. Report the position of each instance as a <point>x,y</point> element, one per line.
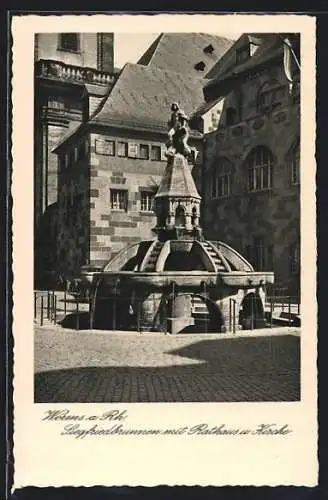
<point>160,39</point>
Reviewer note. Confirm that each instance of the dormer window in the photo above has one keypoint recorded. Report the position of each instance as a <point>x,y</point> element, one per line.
<point>243,54</point>
<point>200,66</point>
<point>209,49</point>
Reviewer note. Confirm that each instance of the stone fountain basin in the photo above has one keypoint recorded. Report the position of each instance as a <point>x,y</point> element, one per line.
<point>238,279</point>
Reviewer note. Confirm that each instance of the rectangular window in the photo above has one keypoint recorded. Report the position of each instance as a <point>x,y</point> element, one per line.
<point>69,42</point>
<point>66,160</point>
<point>261,255</point>
<point>104,147</point>
<point>144,151</point>
<point>147,200</point>
<point>75,153</point>
<point>122,149</point>
<point>118,200</point>
<point>71,157</point>
<point>132,150</point>
<point>156,153</point>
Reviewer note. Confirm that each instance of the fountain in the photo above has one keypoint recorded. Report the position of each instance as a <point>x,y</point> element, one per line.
<point>177,282</point>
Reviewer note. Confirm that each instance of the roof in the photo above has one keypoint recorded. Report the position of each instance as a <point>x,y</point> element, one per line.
<point>228,71</point>
<point>142,96</point>
<point>73,126</point>
<point>177,180</point>
<point>180,52</point>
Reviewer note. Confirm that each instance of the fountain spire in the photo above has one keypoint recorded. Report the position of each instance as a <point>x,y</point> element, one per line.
<point>177,199</point>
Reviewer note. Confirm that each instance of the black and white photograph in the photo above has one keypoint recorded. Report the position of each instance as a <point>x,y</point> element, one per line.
<point>167,217</point>
<point>164,250</point>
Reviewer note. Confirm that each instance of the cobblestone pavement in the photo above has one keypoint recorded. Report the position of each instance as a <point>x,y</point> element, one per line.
<point>88,366</point>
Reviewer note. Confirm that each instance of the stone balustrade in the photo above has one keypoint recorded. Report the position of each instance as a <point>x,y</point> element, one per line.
<point>67,72</point>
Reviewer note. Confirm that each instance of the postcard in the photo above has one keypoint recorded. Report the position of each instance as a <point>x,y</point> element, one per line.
<point>164,250</point>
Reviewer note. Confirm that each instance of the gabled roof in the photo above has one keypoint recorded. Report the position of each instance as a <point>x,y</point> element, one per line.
<point>177,180</point>
<point>228,59</point>
<point>228,70</point>
<point>180,52</point>
<point>142,96</point>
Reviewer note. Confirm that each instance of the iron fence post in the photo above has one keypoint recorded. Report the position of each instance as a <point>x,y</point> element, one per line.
<point>77,326</point>
<point>65,302</point>
<point>41,317</point>
<point>55,308</point>
<point>90,313</point>
<point>48,304</point>
<point>114,314</point>
<point>138,315</point>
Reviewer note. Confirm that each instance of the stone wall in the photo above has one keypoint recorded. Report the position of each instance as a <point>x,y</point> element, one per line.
<point>111,230</point>
<point>73,244</point>
<point>272,214</point>
<point>91,230</point>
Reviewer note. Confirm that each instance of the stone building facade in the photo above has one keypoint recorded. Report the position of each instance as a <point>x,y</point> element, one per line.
<point>251,170</point>
<point>107,184</point>
<point>73,73</point>
<point>111,166</point>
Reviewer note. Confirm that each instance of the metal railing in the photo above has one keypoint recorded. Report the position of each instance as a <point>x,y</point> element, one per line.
<point>71,310</point>
<point>288,306</point>
<point>51,306</point>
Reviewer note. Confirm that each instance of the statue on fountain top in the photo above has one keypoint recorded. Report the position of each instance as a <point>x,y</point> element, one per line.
<point>178,134</point>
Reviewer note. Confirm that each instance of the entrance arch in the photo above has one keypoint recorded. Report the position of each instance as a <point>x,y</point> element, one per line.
<point>251,313</point>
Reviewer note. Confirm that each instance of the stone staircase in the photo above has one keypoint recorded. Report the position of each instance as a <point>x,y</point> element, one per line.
<point>219,266</point>
<point>152,259</point>
<point>200,313</point>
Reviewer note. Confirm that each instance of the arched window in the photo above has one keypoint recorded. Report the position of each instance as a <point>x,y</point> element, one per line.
<point>259,169</point>
<point>194,216</point>
<point>221,181</point>
<point>179,216</point>
<point>69,42</point>
<point>231,116</point>
<point>271,94</point>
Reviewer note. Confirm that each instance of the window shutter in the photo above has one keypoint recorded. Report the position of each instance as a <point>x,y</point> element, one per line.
<point>132,150</point>
<point>163,153</point>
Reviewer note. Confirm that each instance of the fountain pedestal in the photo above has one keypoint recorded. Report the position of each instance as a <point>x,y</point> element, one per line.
<point>179,314</point>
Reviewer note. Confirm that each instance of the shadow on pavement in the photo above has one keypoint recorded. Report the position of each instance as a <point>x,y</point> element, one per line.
<point>230,370</point>
<point>78,321</point>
